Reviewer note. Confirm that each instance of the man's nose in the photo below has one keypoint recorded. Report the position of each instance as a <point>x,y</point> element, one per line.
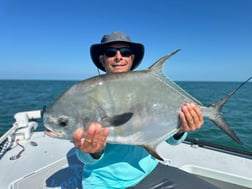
<point>118,54</point>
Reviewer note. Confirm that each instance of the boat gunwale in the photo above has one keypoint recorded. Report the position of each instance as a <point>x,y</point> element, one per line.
<point>219,148</point>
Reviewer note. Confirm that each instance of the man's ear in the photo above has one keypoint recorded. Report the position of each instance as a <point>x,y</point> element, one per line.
<point>101,60</point>
<point>132,57</point>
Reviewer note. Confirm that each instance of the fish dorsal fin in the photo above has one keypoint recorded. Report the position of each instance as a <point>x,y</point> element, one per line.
<point>156,70</point>
<point>157,66</point>
<point>116,120</point>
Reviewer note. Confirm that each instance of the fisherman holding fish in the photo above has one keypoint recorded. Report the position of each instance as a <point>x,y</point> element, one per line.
<point>128,166</point>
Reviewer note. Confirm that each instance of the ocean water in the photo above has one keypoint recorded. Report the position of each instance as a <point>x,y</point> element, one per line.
<point>27,95</point>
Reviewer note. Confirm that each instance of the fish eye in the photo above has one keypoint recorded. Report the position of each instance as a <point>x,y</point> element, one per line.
<point>63,121</point>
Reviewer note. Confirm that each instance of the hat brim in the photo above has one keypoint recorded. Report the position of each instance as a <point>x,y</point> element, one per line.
<point>97,49</point>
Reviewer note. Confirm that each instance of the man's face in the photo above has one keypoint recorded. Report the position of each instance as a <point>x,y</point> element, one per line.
<point>117,57</point>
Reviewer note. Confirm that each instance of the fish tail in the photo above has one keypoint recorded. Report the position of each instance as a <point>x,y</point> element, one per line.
<point>222,124</point>
<point>219,120</point>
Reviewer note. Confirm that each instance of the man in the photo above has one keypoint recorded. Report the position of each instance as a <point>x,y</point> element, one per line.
<point>115,165</point>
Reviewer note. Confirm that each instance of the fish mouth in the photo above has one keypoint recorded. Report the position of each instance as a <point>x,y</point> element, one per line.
<point>54,134</point>
<point>51,133</point>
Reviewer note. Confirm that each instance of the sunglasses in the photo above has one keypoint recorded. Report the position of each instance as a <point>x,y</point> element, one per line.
<point>111,51</point>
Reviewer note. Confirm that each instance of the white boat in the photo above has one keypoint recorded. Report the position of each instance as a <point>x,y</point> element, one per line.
<point>32,160</point>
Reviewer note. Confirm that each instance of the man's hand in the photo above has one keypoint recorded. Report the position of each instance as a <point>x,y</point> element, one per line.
<point>94,140</point>
<point>191,117</point>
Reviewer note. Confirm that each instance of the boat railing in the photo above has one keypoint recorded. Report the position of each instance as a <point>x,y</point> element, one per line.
<point>22,130</point>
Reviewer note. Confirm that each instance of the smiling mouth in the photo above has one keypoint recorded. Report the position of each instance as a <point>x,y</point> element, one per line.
<point>118,65</point>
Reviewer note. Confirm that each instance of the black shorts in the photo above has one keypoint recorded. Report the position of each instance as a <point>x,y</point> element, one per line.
<point>167,177</point>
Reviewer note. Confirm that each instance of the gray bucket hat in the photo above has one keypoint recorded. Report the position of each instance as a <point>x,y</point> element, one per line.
<point>97,49</point>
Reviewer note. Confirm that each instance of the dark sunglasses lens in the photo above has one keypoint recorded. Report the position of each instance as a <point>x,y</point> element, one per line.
<point>111,52</point>
<point>126,52</point>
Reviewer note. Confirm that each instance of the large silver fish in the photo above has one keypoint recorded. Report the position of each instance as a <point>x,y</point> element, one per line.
<point>139,107</point>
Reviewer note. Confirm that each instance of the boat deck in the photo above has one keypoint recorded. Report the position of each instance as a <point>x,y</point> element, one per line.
<point>51,163</point>
<point>43,161</point>
<point>223,168</point>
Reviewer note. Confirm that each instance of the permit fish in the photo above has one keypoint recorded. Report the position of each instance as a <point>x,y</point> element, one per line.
<point>138,107</point>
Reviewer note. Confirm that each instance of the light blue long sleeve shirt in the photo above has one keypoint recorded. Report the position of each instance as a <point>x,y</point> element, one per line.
<point>120,166</point>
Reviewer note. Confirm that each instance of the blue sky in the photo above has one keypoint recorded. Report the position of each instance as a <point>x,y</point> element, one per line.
<point>50,39</point>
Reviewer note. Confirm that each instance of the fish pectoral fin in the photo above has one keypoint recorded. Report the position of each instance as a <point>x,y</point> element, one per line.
<point>116,120</point>
<point>152,152</point>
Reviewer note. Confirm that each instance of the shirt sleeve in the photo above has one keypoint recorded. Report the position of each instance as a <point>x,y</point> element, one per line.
<point>173,141</point>
<point>86,157</point>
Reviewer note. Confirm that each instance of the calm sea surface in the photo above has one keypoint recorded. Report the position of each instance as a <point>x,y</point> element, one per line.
<point>26,95</point>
